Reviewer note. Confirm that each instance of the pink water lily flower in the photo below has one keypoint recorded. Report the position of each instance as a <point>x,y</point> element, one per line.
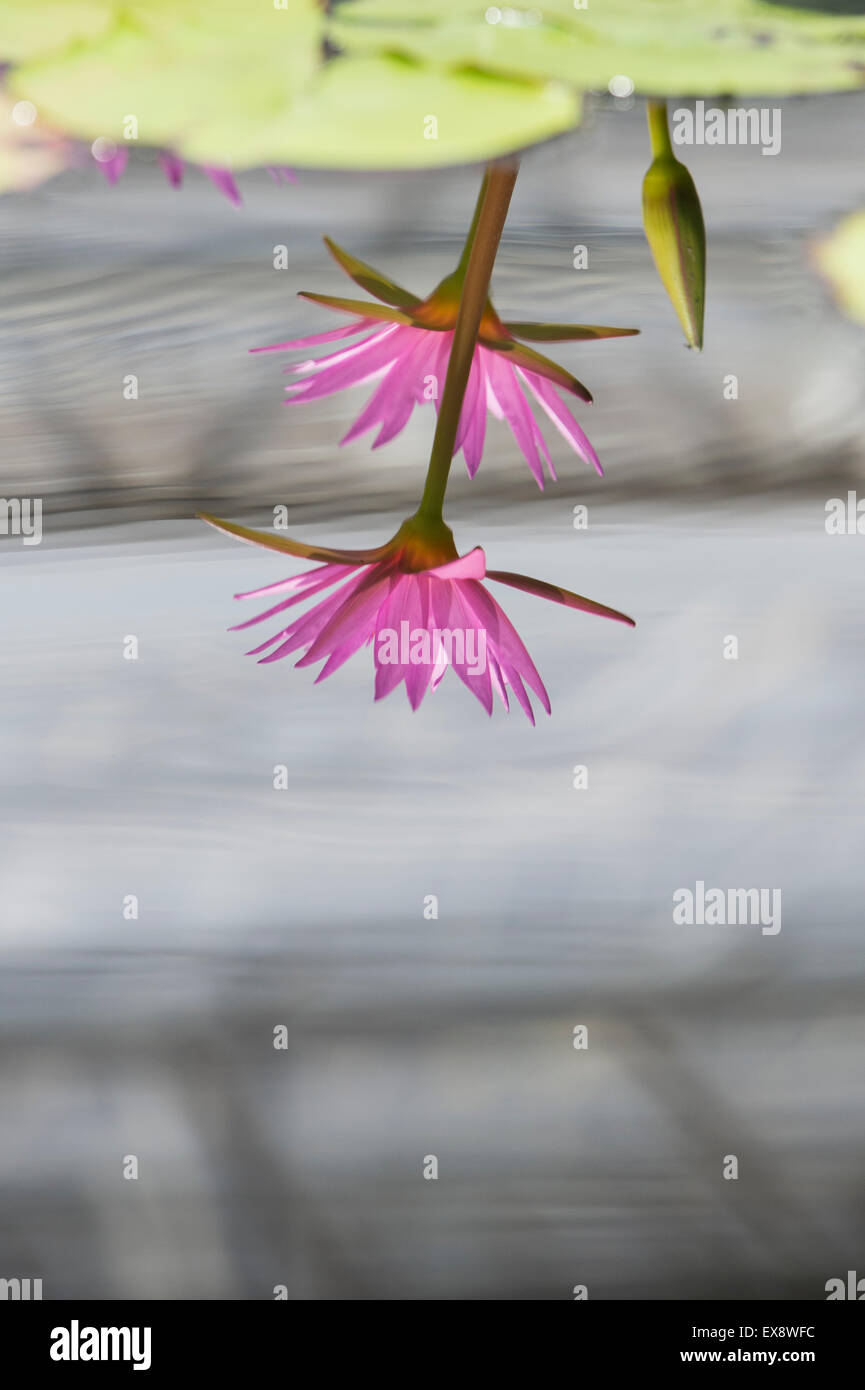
<point>407,344</point>
<point>113,165</point>
<point>420,605</point>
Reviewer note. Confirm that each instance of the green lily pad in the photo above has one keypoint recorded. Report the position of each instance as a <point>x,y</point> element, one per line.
<point>28,30</point>
<point>386,113</point>
<point>841,259</point>
<point>227,84</point>
<point>666,47</point>
<point>175,70</point>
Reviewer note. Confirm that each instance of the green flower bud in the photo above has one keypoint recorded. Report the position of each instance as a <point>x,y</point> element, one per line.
<point>673,222</point>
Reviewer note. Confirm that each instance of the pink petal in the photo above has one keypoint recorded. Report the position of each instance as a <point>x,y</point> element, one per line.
<point>519,690</point>
<point>450,613</point>
<point>299,581</point>
<point>545,394</point>
<point>394,399</point>
<point>389,334</point>
<point>326,581</point>
<point>408,602</point>
<point>416,611</point>
<point>389,674</point>
<point>440,343</point>
<point>504,385</point>
<point>472,401</point>
<point>472,565</point>
<point>368,360</point>
<point>172,167</point>
<point>506,641</point>
<point>224,180</point>
<point>499,681</point>
<point>353,622</point>
<point>304,630</point>
<point>313,341</point>
<point>473,420</point>
<point>113,168</point>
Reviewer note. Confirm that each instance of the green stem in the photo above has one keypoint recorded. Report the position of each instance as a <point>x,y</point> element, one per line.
<point>470,236</point>
<point>659,133</point>
<point>479,254</point>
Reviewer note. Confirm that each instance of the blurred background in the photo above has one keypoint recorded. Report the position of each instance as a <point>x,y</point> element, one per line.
<point>303,908</point>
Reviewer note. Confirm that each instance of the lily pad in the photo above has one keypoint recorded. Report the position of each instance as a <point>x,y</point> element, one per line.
<point>175,70</point>
<point>28,30</point>
<point>227,84</point>
<point>386,113</point>
<point>841,259</point>
<point>666,47</point>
